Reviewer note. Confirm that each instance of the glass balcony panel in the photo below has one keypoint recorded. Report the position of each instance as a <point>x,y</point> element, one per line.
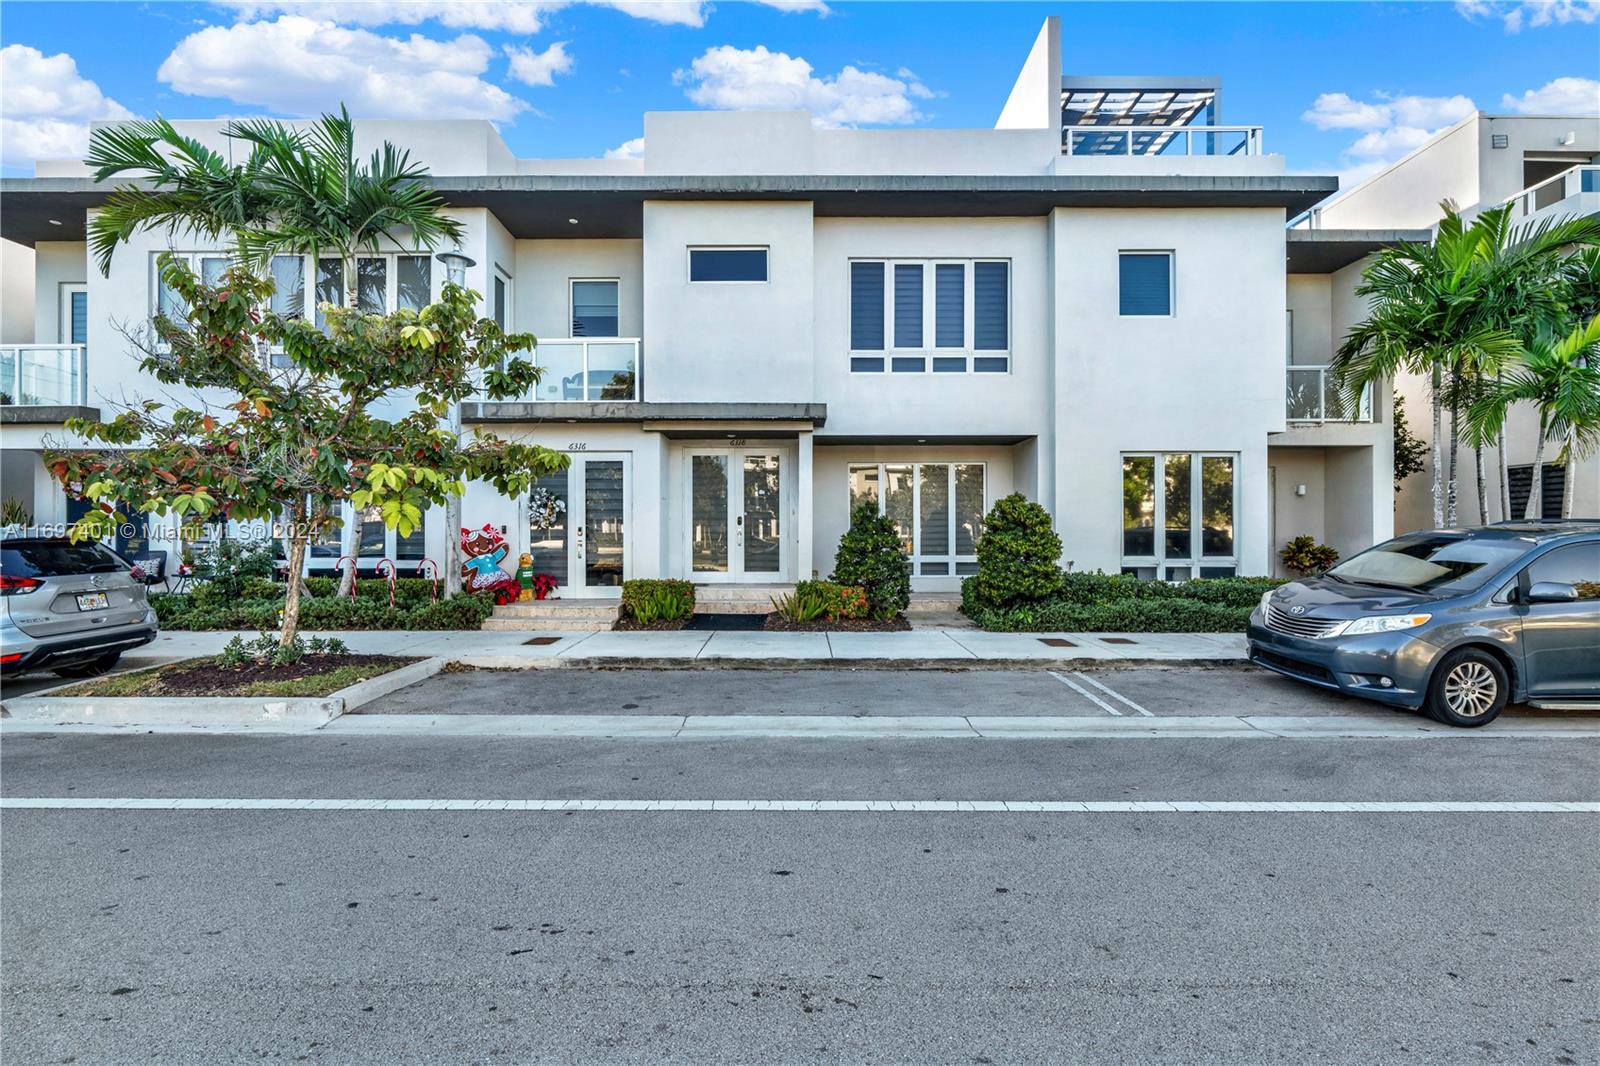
<point>563,370</point>
<point>612,374</point>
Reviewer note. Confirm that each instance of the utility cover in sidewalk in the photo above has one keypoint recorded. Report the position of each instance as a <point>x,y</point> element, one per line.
<point>540,642</point>
<point>727,622</point>
<point>1057,642</point>
<point>1117,640</point>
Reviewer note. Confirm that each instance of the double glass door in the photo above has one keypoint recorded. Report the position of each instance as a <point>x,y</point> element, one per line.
<point>577,525</point>
<point>737,515</point>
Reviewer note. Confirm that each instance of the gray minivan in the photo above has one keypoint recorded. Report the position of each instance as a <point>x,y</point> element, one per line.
<point>70,608</point>
<point>1454,621</point>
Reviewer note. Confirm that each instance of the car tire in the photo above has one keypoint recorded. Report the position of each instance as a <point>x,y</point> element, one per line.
<point>91,668</point>
<point>1468,689</point>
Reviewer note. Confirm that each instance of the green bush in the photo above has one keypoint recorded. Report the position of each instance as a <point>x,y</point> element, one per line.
<point>1304,556</point>
<point>466,611</point>
<point>1018,555</point>
<point>651,600</point>
<point>265,650</point>
<point>839,601</point>
<point>802,605</point>
<point>1093,602</point>
<point>871,556</point>
<point>224,568</point>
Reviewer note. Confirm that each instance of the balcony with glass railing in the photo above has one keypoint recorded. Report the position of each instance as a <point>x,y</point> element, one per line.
<point>1100,141</point>
<point>44,375</point>
<point>586,369</point>
<point>1313,395</point>
<point>1574,191</point>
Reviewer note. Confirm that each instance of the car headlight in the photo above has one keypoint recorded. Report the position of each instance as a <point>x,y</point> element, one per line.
<point>1384,623</point>
<point>1265,597</point>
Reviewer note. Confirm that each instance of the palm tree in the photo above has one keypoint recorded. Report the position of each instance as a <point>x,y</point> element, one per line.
<point>300,192</point>
<point>1561,376</point>
<point>1455,310</point>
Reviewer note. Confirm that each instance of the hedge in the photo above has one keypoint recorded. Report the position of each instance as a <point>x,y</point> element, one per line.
<point>1094,602</point>
<point>369,610</point>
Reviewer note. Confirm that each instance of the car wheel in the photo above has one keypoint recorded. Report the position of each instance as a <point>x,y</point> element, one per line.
<point>92,668</point>
<point>1468,689</point>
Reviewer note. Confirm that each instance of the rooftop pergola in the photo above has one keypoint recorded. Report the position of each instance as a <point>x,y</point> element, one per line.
<point>1143,105</point>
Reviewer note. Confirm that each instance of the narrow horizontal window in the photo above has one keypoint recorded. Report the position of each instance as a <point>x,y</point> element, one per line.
<point>727,264</point>
<point>1144,284</point>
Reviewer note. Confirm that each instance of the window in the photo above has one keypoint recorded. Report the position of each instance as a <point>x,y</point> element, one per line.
<point>1162,494</point>
<point>375,540</point>
<point>594,307</point>
<point>210,267</point>
<point>1435,561</point>
<point>1552,489</point>
<point>73,327</point>
<point>501,310</point>
<point>1577,565</point>
<point>937,508</point>
<point>1144,284</point>
<point>943,316</point>
<point>727,264</point>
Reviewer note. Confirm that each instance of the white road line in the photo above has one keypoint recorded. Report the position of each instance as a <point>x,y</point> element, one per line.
<point>879,806</point>
<point>1114,695</point>
<point>1086,694</point>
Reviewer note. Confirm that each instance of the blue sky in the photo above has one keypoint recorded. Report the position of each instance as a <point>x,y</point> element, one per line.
<point>1340,87</point>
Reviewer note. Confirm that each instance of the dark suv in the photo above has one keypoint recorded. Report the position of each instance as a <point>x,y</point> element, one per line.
<point>1454,621</point>
<point>71,608</point>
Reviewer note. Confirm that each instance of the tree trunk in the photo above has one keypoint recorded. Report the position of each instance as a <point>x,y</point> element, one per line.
<point>1437,456</point>
<point>1571,478</point>
<point>452,547</point>
<point>293,575</point>
<point>291,599</point>
<point>1505,476</point>
<point>1535,508</point>
<point>1483,486</point>
<point>1450,516</point>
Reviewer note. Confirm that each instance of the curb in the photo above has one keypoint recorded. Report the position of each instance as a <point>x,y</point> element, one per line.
<point>276,714</point>
<point>610,662</point>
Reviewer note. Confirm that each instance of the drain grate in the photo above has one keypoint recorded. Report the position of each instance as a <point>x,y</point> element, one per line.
<point>1117,640</point>
<point>540,642</point>
<point>1057,642</point>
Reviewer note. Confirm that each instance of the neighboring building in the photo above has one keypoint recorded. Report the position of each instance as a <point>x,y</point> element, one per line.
<point>762,323</point>
<point>1546,167</point>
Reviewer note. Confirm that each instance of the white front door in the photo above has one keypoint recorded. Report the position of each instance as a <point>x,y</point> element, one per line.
<point>738,510</point>
<point>578,525</point>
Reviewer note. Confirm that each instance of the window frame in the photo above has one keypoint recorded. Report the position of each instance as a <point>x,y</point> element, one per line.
<point>929,350</point>
<point>917,558</point>
<point>1195,560</point>
<point>391,275</point>
<point>688,267</point>
<point>1172,280</point>
<point>67,290</point>
<point>572,307</point>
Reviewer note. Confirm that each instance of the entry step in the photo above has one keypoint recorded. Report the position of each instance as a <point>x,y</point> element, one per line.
<point>737,599</point>
<point>581,616</point>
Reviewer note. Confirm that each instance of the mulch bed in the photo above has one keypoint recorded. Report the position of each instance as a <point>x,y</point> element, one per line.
<point>207,679</point>
<point>635,624</point>
<point>897,624</point>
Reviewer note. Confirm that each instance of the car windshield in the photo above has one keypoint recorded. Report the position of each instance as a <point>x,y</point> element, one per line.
<point>56,558</point>
<point>1428,562</point>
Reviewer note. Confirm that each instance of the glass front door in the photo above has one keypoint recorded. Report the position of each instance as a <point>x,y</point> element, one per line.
<point>737,521</point>
<point>578,526</point>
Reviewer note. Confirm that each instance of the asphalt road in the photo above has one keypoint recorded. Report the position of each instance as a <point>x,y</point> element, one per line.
<point>217,936</point>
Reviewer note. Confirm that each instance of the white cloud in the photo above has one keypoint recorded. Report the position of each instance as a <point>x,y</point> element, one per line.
<point>1531,14</point>
<point>539,68</point>
<point>1563,96</point>
<point>1337,111</point>
<point>511,16</point>
<point>1388,144</point>
<point>633,149</point>
<point>792,6</point>
<point>47,106</point>
<point>744,79</point>
<point>301,66</point>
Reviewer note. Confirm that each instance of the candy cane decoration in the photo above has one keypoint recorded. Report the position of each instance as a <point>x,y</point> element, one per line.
<point>353,572</point>
<point>434,588</point>
<point>379,569</point>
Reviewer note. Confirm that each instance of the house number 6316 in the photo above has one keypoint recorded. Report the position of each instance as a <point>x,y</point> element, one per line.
<point>577,446</point>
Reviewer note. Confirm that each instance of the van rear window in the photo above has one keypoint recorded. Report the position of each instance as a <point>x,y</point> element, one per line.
<point>56,558</point>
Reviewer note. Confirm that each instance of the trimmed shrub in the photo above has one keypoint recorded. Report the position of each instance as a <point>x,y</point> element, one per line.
<point>651,600</point>
<point>466,611</point>
<point>224,569</point>
<point>1018,555</point>
<point>1304,556</point>
<point>823,599</point>
<point>1093,602</point>
<point>871,557</point>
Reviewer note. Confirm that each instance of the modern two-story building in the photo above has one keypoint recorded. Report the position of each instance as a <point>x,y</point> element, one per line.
<point>761,323</point>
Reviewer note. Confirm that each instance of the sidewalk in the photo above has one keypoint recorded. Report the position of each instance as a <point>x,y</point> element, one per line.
<point>928,647</point>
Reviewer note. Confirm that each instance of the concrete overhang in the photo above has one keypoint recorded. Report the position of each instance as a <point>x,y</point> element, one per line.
<point>1322,251</point>
<point>44,414</point>
<point>673,419</point>
<point>876,440</point>
<point>542,206</point>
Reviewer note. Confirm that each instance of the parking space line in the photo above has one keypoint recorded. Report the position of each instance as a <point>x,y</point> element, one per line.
<point>1086,694</point>
<point>1113,694</point>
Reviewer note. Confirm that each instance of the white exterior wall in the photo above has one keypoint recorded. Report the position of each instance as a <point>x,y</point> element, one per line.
<point>728,341</point>
<point>16,293</point>
<point>545,269</point>
<point>1208,378</point>
<point>56,263</point>
<point>1407,194</point>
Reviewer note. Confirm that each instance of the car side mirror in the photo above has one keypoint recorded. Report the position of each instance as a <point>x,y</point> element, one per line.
<point>1552,592</point>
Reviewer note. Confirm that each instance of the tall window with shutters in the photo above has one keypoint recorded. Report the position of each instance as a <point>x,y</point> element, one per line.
<point>941,316</point>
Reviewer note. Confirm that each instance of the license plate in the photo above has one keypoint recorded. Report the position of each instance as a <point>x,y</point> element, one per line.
<point>92,601</point>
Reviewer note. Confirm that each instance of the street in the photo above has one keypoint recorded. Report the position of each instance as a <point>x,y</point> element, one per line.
<point>692,934</point>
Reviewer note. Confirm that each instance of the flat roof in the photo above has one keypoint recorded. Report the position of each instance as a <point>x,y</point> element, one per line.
<point>1322,251</point>
<point>541,205</point>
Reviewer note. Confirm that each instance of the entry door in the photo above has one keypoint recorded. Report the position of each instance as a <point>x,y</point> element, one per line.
<point>738,511</point>
<point>578,526</point>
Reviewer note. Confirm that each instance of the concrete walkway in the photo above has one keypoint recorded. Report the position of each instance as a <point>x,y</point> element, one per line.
<point>953,647</point>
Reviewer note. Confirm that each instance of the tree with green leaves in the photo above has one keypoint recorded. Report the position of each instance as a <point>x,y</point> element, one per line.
<point>300,192</point>
<point>1455,310</point>
<point>1410,451</point>
<point>1560,376</point>
<point>297,440</point>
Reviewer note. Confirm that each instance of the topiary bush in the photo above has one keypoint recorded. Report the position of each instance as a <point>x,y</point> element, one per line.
<point>871,556</point>
<point>1018,553</point>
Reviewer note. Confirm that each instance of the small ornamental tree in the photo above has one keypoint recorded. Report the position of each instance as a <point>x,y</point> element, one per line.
<point>294,439</point>
<point>871,556</point>
<point>1018,554</point>
<point>1304,556</point>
